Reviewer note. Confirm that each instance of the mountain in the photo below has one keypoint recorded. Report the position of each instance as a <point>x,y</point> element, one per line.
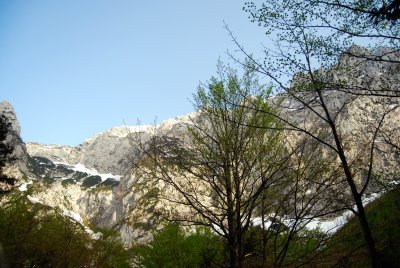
<point>93,179</point>
<point>96,181</point>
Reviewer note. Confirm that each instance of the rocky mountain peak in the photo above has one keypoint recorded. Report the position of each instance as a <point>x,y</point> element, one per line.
<point>110,151</point>
<point>16,164</point>
<point>8,111</point>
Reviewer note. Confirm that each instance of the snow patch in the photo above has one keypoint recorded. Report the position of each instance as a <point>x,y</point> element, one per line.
<point>324,225</point>
<point>80,167</point>
<point>92,172</point>
<point>73,215</point>
<point>34,200</point>
<point>329,226</point>
<point>24,187</point>
<point>78,219</point>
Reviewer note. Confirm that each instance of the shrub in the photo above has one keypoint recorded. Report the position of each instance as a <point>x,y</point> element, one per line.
<point>91,181</point>
<point>66,182</point>
<point>172,247</point>
<point>34,235</point>
<point>109,182</point>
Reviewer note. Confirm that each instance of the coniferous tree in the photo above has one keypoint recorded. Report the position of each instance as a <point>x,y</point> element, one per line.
<point>6,151</point>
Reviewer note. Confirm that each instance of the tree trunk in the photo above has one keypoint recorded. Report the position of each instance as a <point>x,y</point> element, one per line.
<point>235,243</point>
<point>362,217</point>
<point>233,255</point>
<point>264,238</point>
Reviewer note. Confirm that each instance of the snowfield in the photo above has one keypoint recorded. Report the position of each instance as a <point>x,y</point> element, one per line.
<point>92,172</point>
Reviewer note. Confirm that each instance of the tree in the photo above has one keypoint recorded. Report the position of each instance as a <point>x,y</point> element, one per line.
<point>108,250</point>
<point>325,30</point>
<point>378,11</point>
<point>6,151</point>
<point>314,34</point>
<point>233,167</point>
<point>35,235</point>
<point>219,171</point>
<point>390,12</point>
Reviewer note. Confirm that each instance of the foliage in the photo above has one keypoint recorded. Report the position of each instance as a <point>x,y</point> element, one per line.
<point>5,153</point>
<point>346,246</point>
<point>387,11</point>
<point>169,247</point>
<point>303,249</point>
<point>325,29</point>
<point>172,247</point>
<point>40,166</point>
<point>91,181</point>
<point>5,149</point>
<point>109,251</point>
<point>34,235</point>
<point>79,175</point>
<point>67,182</point>
<point>109,182</point>
<point>235,165</point>
<point>50,173</point>
<point>64,169</point>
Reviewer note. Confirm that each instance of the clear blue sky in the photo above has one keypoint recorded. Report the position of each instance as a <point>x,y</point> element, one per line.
<point>73,68</point>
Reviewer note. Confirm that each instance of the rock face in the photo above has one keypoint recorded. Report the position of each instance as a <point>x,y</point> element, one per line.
<point>94,180</point>
<point>106,152</point>
<point>17,167</point>
<point>100,152</point>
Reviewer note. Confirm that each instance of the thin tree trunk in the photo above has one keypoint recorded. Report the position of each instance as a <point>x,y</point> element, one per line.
<point>362,217</point>
<point>350,181</point>
<point>264,238</point>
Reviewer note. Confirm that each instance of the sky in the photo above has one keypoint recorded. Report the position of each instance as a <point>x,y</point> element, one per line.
<point>73,68</point>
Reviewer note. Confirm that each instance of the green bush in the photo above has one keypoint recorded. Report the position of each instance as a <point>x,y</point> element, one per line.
<point>172,247</point>
<point>277,246</point>
<point>66,182</point>
<point>48,180</point>
<point>39,165</point>
<point>64,169</point>
<point>109,250</point>
<point>37,236</point>
<point>34,235</point>
<point>78,175</point>
<point>91,181</point>
<point>109,182</point>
